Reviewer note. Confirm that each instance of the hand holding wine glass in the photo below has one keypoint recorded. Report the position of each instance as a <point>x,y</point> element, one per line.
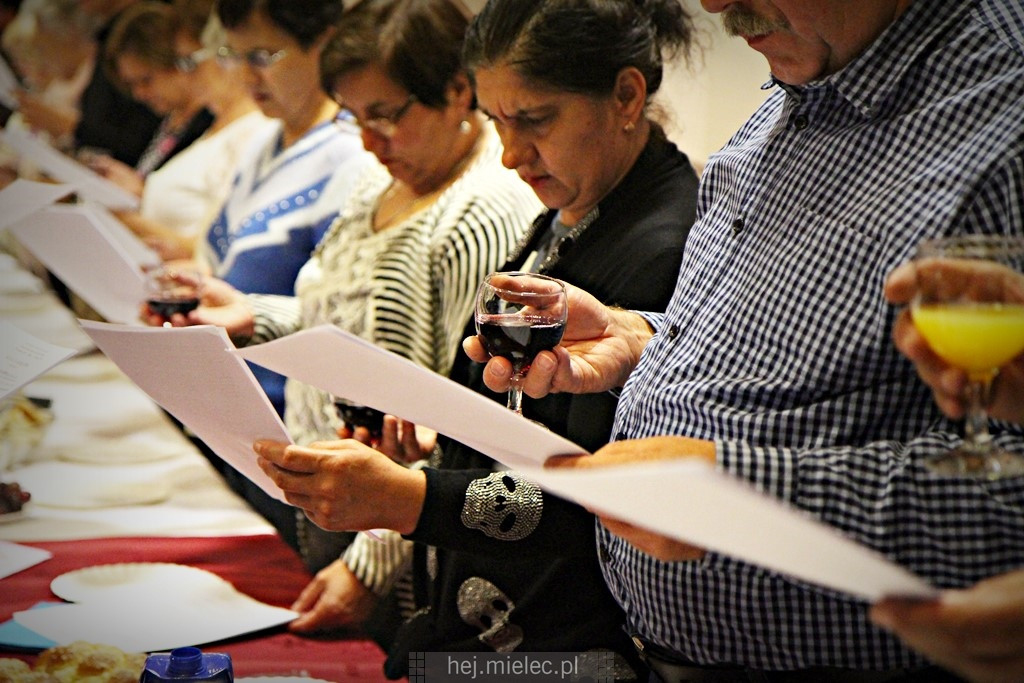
<point>969,307</point>
<point>172,291</point>
<point>600,347</point>
<point>517,316</point>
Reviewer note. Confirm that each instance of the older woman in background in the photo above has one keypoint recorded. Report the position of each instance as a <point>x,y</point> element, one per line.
<point>140,55</point>
<point>401,265</point>
<point>102,115</point>
<point>180,199</point>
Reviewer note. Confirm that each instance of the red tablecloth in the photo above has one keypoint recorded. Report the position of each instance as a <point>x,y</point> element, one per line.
<point>260,566</point>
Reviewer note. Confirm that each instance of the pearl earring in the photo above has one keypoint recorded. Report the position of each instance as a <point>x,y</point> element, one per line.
<point>629,127</point>
<point>464,127</point>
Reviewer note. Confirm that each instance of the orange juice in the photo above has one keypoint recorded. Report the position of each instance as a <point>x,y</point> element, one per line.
<point>976,337</point>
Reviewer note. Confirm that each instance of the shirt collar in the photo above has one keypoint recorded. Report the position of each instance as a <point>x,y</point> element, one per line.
<point>872,80</point>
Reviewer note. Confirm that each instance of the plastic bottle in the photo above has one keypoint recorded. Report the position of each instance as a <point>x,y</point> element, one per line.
<point>188,664</point>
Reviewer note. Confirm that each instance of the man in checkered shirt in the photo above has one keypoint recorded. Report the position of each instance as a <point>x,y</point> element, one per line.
<point>891,121</point>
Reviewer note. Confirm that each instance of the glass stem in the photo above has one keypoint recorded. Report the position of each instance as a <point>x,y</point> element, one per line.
<point>515,400</point>
<point>976,436</point>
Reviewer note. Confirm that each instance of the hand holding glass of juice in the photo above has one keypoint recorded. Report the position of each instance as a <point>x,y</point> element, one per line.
<point>969,307</point>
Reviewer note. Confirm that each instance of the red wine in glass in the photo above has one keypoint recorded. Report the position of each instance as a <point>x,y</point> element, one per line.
<point>171,290</point>
<point>519,338</point>
<point>518,315</point>
<point>166,307</point>
<point>361,416</point>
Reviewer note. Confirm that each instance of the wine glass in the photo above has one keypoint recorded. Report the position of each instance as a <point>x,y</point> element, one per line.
<point>171,290</point>
<point>969,307</point>
<point>355,416</point>
<point>519,315</point>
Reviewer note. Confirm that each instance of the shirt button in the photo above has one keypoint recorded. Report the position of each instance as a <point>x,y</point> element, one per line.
<point>603,554</point>
<point>620,436</point>
<point>800,121</point>
<point>737,226</point>
<point>673,331</point>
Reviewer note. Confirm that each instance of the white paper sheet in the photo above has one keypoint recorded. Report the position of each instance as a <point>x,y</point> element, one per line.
<point>672,498</point>
<point>134,248</point>
<point>24,357</point>
<point>345,365</point>
<point>693,502</point>
<point>24,197</point>
<point>86,182</point>
<point>9,85</point>
<point>192,373</point>
<point>76,246</point>
<point>15,557</point>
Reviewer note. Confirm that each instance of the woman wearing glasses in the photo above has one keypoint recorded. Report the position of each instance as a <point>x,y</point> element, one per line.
<point>180,198</point>
<point>140,54</point>
<point>498,564</point>
<point>401,265</point>
<point>295,175</point>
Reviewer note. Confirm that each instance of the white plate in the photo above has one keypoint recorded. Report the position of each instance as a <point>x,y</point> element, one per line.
<point>12,516</point>
<point>108,581</point>
<point>90,368</point>
<point>128,450</point>
<point>115,494</point>
<point>68,485</point>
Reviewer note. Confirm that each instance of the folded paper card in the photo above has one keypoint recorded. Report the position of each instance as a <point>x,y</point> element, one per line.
<point>86,182</point>
<point>670,496</point>
<point>78,245</point>
<point>15,557</point>
<point>192,373</point>
<point>23,357</point>
<point>24,197</point>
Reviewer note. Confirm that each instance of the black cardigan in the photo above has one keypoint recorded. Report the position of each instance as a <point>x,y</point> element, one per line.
<point>629,256</point>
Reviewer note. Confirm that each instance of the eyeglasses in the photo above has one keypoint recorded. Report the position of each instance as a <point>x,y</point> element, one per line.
<point>383,125</point>
<point>188,63</point>
<point>260,58</point>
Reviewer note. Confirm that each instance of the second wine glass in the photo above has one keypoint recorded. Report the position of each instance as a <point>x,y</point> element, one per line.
<point>172,291</point>
<point>518,315</point>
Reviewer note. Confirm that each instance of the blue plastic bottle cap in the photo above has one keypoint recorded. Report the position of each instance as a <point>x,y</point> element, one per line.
<point>185,661</point>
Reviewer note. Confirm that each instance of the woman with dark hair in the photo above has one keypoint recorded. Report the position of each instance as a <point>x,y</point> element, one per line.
<point>400,265</point>
<point>499,565</point>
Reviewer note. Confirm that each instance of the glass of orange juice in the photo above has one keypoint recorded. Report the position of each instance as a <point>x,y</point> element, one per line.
<point>969,307</point>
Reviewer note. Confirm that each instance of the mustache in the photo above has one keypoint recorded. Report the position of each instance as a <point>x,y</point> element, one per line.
<point>739,21</point>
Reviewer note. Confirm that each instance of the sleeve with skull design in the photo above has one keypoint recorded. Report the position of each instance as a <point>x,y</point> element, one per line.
<point>482,511</point>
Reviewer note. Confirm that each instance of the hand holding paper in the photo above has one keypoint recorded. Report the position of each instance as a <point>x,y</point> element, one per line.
<point>345,485</point>
<point>676,494</point>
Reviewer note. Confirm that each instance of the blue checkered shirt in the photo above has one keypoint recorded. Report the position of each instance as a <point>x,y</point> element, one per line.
<point>777,343</point>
